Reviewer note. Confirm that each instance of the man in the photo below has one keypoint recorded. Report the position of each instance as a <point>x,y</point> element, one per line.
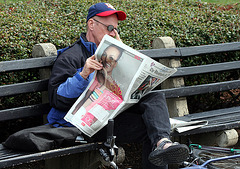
<point>146,122</point>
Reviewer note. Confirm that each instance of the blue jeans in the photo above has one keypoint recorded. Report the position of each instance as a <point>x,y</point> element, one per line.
<point>146,122</point>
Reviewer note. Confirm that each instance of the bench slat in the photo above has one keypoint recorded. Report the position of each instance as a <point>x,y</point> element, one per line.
<point>24,64</point>
<point>41,85</point>
<point>191,51</point>
<point>22,112</point>
<point>201,89</point>
<point>26,87</point>
<point>153,53</point>
<point>27,157</point>
<point>203,69</point>
<point>162,53</point>
<point>212,114</point>
<point>221,119</point>
<point>210,49</point>
<point>9,154</point>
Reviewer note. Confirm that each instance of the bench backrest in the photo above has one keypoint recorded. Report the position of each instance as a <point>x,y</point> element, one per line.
<point>25,87</point>
<point>200,69</point>
<point>172,53</point>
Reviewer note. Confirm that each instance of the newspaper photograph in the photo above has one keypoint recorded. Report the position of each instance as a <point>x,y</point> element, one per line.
<point>127,76</point>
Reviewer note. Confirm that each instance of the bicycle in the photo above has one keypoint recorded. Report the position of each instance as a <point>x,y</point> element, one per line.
<point>203,157</point>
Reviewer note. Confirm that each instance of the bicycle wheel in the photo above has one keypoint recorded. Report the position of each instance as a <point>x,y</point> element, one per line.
<point>205,155</point>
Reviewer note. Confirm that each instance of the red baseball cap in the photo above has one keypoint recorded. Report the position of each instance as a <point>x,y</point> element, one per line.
<point>105,9</point>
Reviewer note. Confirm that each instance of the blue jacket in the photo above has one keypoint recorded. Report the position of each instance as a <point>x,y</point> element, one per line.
<point>66,84</point>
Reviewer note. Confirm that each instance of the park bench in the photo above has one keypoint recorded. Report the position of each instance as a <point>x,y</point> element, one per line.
<point>87,155</point>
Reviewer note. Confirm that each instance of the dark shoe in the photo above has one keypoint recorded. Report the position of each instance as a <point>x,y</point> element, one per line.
<point>176,153</point>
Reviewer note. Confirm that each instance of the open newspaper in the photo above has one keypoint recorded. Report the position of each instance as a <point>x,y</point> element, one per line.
<point>127,75</point>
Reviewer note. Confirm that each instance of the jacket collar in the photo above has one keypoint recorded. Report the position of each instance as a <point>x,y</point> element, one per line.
<point>90,46</point>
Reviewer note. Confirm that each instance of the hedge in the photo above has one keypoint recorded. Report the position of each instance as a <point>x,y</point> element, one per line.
<point>188,22</point>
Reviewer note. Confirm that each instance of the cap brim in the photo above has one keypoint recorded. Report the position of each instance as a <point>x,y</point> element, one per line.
<point>121,15</point>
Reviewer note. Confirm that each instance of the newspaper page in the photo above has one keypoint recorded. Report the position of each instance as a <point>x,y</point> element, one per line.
<point>127,75</point>
<point>181,126</point>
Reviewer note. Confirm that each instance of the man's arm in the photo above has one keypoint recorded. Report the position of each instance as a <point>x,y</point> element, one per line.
<point>66,83</point>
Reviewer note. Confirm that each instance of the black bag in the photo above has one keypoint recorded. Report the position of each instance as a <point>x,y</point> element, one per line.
<point>42,138</point>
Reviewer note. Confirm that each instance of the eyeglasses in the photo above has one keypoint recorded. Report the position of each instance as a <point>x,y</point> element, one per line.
<point>109,27</point>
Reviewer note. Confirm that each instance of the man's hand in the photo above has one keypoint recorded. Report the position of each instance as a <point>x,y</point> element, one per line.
<point>117,36</point>
<point>90,66</point>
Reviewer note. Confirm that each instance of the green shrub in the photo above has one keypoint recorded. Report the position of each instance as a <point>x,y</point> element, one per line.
<point>189,23</point>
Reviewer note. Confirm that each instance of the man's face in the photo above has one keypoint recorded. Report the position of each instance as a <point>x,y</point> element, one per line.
<point>109,58</point>
<point>99,30</point>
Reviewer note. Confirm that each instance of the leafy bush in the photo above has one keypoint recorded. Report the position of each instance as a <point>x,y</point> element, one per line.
<point>188,22</point>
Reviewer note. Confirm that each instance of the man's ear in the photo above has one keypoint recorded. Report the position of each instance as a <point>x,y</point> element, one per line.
<point>90,24</point>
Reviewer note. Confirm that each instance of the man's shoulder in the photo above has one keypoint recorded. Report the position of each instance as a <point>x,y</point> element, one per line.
<point>73,51</point>
<point>75,48</point>
<point>75,57</point>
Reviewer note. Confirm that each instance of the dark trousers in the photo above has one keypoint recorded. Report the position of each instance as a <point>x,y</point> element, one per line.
<point>146,122</point>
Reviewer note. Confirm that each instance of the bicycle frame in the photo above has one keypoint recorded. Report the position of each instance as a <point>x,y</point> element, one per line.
<point>204,165</point>
<point>220,158</point>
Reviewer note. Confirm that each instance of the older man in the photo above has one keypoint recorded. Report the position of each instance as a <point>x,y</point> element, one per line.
<point>146,122</point>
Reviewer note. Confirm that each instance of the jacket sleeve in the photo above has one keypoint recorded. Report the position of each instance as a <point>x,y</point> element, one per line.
<point>66,84</point>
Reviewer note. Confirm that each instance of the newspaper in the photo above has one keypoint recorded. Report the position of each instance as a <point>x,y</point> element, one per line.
<point>127,75</point>
<point>181,126</point>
